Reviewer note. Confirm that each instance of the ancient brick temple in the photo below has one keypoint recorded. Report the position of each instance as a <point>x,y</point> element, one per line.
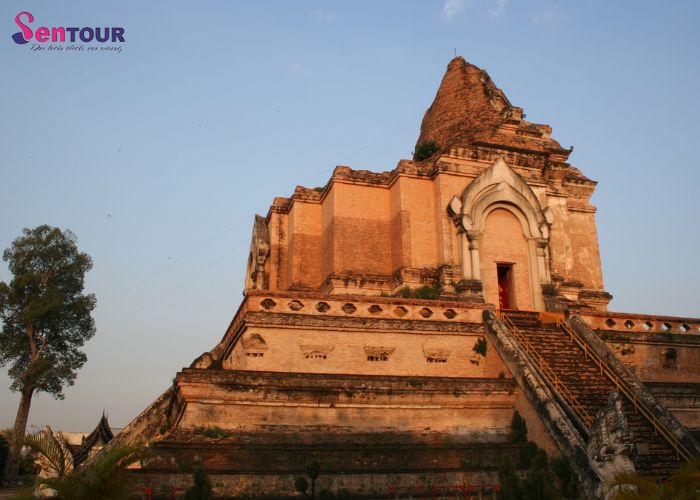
<point>394,321</point>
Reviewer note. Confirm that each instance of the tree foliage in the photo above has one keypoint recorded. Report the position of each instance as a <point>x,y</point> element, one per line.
<point>684,484</point>
<point>540,482</point>
<point>45,315</point>
<point>312,469</point>
<point>301,484</point>
<point>425,150</point>
<point>4,450</point>
<point>511,486</point>
<point>201,489</point>
<point>569,484</point>
<point>518,429</point>
<point>542,479</point>
<point>102,479</point>
<point>45,318</point>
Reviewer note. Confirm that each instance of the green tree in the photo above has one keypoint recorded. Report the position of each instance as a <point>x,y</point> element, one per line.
<point>326,494</point>
<point>4,448</point>
<point>540,482</point>
<point>510,482</point>
<point>201,489</point>
<point>527,454</point>
<point>544,480</point>
<point>518,429</point>
<point>302,485</point>
<point>45,320</point>
<point>567,477</point>
<point>343,494</point>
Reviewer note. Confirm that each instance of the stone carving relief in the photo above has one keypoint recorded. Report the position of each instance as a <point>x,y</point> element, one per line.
<point>435,353</point>
<point>610,444</point>
<point>203,362</point>
<point>254,345</point>
<point>316,351</point>
<point>378,353</point>
<point>259,251</point>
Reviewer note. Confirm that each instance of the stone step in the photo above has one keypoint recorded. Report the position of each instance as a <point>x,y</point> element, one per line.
<point>591,388</point>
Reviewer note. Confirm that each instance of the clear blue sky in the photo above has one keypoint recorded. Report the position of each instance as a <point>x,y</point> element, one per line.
<point>157,157</point>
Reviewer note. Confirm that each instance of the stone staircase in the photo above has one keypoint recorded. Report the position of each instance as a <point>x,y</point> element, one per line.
<point>654,456</point>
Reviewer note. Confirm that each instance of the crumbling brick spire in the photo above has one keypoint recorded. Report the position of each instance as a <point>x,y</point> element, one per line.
<point>469,109</point>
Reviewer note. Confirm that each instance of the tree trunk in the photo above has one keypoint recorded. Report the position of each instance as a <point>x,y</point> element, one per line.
<point>13,457</point>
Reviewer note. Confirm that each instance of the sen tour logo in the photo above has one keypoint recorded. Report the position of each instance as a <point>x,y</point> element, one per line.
<point>59,34</point>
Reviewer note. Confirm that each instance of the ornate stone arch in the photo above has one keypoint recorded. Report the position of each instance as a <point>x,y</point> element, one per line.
<point>500,187</point>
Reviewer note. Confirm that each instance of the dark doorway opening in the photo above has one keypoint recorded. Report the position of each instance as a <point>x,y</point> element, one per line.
<point>505,275</point>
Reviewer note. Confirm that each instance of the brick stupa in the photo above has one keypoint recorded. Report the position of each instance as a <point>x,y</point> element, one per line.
<point>393,322</point>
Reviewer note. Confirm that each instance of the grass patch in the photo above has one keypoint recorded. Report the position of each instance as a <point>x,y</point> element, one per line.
<point>212,432</point>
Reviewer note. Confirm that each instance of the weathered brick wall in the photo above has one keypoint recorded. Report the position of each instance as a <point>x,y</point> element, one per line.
<point>583,240</point>
<point>648,356</point>
<point>662,349</point>
<point>326,405</point>
<point>280,486</point>
<point>346,352</point>
<point>418,210</point>
<point>400,227</point>
<point>362,225</point>
<point>276,264</point>
<point>681,399</point>
<point>304,262</point>
<point>376,230</point>
<point>476,409</point>
<point>561,251</point>
<point>445,187</point>
<point>416,334</point>
<point>328,239</point>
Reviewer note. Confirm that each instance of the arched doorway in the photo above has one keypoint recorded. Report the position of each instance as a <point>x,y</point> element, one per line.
<point>503,238</point>
<point>505,262</point>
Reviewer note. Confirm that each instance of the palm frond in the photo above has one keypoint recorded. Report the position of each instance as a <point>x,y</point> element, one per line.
<point>684,484</point>
<point>107,474</point>
<point>685,481</point>
<point>102,479</point>
<point>53,451</point>
<point>634,487</point>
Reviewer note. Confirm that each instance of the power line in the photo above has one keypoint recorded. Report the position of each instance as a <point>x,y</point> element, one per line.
<point>384,137</point>
<point>187,254</point>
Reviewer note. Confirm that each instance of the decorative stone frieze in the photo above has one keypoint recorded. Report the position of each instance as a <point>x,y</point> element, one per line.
<point>378,353</point>
<point>435,352</point>
<point>316,351</point>
<point>254,345</point>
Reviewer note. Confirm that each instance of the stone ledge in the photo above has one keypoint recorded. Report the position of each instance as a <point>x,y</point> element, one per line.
<point>643,323</point>
<point>315,304</point>
<point>362,323</point>
<point>684,388</point>
<point>375,458</point>
<point>380,383</point>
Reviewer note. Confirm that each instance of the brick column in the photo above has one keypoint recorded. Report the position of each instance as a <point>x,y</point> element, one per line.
<point>473,237</point>
<point>464,256</point>
<point>542,268</point>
